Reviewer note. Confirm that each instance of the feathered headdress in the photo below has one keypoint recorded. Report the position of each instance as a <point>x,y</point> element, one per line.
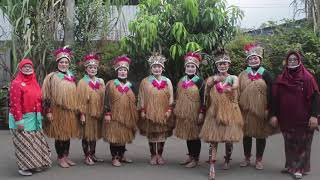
<point>157,58</point>
<point>121,61</point>
<point>64,52</point>
<point>192,57</point>
<point>253,49</point>
<point>91,59</point>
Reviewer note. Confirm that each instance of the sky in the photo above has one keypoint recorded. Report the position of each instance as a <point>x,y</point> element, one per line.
<point>257,12</point>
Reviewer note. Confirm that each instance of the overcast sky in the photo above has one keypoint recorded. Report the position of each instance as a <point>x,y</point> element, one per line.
<point>258,11</point>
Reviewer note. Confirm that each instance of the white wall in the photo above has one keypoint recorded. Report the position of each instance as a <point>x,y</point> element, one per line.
<point>5,28</point>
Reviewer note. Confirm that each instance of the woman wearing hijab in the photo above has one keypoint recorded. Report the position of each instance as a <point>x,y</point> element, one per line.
<point>25,121</point>
<point>295,109</point>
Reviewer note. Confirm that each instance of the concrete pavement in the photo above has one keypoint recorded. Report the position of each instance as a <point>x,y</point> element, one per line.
<point>175,151</point>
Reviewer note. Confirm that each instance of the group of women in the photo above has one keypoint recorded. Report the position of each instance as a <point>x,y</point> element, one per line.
<point>223,109</point>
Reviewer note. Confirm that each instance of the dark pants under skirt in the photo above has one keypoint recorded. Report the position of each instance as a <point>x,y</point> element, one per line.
<point>194,148</point>
<point>260,147</point>
<point>297,145</point>
<point>89,147</point>
<point>62,147</point>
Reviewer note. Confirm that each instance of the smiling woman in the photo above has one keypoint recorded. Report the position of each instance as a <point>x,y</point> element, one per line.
<point>25,121</point>
<point>59,94</point>
<point>295,109</point>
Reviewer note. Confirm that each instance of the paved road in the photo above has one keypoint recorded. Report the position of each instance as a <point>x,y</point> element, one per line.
<point>175,151</point>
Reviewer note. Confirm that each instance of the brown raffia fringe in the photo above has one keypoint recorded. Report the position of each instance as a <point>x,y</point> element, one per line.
<point>253,95</point>
<point>117,133</point>
<point>60,92</point>
<point>63,97</point>
<point>225,107</point>
<point>255,127</point>
<point>187,129</point>
<point>123,106</point>
<point>187,103</point>
<point>186,113</point>
<point>91,102</point>
<point>156,102</point>
<point>253,104</point>
<point>223,121</point>
<point>91,130</point>
<point>65,124</point>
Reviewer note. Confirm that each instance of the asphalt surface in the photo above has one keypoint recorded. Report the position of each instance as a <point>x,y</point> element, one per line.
<point>175,151</point>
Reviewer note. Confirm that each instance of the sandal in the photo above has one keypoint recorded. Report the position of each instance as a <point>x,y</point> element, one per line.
<point>297,175</point>
<point>212,173</point>
<point>246,162</point>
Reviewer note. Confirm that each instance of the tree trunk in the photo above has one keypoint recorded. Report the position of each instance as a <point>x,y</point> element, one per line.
<point>69,27</point>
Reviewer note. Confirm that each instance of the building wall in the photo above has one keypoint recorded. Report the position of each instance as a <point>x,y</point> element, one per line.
<point>5,65</point>
<point>128,13</point>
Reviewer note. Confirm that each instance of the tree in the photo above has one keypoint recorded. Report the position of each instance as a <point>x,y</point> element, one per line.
<point>38,27</point>
<point>33,29</point>
<point>175,27</point>
<point>312,10</point>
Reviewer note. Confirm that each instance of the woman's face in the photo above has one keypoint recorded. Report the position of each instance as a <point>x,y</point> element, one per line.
<point>293,61</point>
<point>223,66</point>
<point>254,61</point>
<point>63,65</point>
<point>122,73</point>
<point>156,69</point>
<point>92,70</point>
<point>190,69</point>
<point>27,69</point>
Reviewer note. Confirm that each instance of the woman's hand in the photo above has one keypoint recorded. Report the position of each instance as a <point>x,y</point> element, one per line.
<point>107,118</point>
<point>313,122</point>
<point>143,115</point>
<point>20,127</point>
<point>49,116</point>
<point>200,118</point>
<point>274,121</point>
<point>168,114</point>
<point>83,119</point>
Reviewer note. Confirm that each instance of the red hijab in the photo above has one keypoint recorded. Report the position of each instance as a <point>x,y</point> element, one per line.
<point>28,79</point>
<point>25,93</point>
<point>297,76</point>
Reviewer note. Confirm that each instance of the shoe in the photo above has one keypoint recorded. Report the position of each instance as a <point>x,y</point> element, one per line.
<point>116,162</point>
<point>88,161</point>
<point>67,160</point>
<point>125,160</point>
<point>212,173</point>
<point>185,162</point>
<point>25,173</point>
<point>153,160</point>
<point>226,166</point>
<point>245,163</point>
<point>160,160</point>
<point>297,175</point>
<point>285,171</point>
<point>192,164</point>
<point>62,163</point>
<point>95,159</point>
<point>259,165</point>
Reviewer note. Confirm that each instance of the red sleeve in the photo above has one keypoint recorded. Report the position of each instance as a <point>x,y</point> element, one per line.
<point>15,101</point>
